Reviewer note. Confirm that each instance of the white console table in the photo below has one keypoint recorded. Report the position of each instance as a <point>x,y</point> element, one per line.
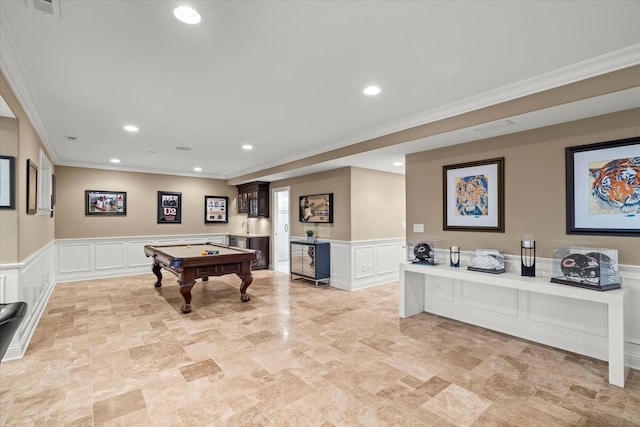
<point>412,300</point>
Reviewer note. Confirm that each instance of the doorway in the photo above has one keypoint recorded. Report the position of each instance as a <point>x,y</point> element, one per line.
<point>280,197</point>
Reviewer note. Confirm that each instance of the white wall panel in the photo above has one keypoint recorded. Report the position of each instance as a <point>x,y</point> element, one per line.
<point>364,257</point>
<point>110,255</point>
<point>582,316</point>
<point>74,257</point>
<point>440,289</point>
<point>135,253</point>
<point>386,259</point>
<point>504,301</point>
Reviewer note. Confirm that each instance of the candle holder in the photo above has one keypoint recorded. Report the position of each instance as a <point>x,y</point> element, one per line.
<point>528,256</point>
<point>454,256</point>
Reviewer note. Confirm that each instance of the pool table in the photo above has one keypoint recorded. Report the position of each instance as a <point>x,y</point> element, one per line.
<point>188,263</point>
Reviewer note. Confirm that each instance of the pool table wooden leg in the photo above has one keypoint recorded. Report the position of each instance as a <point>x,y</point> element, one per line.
<point>185,290</point>
<point>247,279</point>
<point>156,270</point>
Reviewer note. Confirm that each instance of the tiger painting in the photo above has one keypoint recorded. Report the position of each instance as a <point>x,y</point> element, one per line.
<point>616,187</point>
<point>472,195</point>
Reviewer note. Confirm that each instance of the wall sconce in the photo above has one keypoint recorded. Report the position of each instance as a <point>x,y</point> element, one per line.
<point>454,256</point>
<point>528,256</point>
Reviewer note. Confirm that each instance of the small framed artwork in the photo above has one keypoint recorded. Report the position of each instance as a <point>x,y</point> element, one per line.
<point>7,182</point>
<point>169,207</point>
<point>32,188</point>
<point>473,196</point>
<point>216,209</point>
<point>603,188</point>
<point>316,208</point>
<point>105,203</point>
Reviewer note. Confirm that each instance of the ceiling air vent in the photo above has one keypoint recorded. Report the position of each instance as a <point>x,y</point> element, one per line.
<point>50,7</point>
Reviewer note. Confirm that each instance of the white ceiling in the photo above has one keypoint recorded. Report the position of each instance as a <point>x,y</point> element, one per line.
<point>287,76</point>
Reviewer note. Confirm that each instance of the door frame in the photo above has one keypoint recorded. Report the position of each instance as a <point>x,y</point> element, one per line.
<point>275,225</point>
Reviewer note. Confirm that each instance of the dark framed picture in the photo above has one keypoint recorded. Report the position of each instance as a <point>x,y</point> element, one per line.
<point>316,208</point>
<point>7,182</point>
<point>105,203</point>
<point>603,188</point>
<point>32,187</point>
<point>169,207</point>
<point>473,196</point>
<point>216,209</point>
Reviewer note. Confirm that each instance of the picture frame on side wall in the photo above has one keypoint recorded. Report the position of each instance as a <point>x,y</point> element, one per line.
<point>7,182</point>
<point>216,209</point>
<point>473,196</point>
<point>169,207</point>
<point>603,188</point>
<point>32,187</point>
<point>105,203</point>
<point>316,208</point>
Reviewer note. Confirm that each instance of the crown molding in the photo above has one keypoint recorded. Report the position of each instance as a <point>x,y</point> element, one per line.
<point>13,70</point>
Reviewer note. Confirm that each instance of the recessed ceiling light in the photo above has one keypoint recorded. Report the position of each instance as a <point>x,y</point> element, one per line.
<point>247,147</point>
<point>187,14</point>
<point>371,90</point>
<point>397,163</point>
<point>131,128</point>
<point>197,169</point>
<point>115,160</point>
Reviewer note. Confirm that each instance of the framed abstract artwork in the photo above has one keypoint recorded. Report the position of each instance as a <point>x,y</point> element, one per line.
<point>473,196</point>
<point>603,188</point>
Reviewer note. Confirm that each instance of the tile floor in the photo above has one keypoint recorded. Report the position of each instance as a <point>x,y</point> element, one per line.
<point>117,352</point>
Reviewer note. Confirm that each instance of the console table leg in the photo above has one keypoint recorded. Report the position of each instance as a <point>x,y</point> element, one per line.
<point>617,371</point>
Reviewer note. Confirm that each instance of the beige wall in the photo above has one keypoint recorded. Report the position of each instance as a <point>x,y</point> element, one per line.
<point>142,195</point>
<point>355,192</point>
<point>33,231</point>
<point>9,217</point>
<point>338,182</point>
<point>534,187</point>
<point>377,204</point>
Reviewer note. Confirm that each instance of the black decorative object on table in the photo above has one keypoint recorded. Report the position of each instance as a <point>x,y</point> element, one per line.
<point>454,256</point>
<point>528,256</point>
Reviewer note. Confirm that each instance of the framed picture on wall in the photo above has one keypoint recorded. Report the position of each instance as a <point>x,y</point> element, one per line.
<point>7,182</point>
<point>32,187</point>
<point>603,188</point>
<point>473,196</point>
<point>169,207</point>
<point>105,203</point>
<point>316,208</point>
<point>216,209</point>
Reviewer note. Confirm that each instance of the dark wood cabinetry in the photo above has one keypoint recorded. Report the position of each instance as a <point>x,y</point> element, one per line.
<point>259,243</point>
<point>253,199</point>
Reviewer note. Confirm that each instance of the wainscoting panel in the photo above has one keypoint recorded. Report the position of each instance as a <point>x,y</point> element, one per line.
<point>32,282</point>
<point>490,298</point>
<point>571,324</point>
<point>364,260</point>
<point>86,259</point>
<point>110,255</point>
<point>75,257</point>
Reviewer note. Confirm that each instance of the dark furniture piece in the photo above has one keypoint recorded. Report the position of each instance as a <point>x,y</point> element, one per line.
<point>11,315</point>
<point>258,243</point>
<point>310,260</point>
<point>253,199</point>
<point>188,264</point>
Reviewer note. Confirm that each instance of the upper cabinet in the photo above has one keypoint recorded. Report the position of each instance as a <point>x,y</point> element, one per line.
<point>253,199</point>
